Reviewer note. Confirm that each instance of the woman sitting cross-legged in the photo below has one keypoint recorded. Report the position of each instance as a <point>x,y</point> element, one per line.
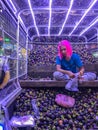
<point>67,63</point>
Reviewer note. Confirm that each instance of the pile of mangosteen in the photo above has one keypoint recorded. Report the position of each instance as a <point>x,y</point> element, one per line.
<point>83,116</point>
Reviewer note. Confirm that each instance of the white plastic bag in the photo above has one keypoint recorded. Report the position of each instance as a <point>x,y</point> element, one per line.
<point>22,121</point>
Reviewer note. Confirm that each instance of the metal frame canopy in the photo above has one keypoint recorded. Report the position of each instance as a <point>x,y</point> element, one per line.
<point>57,17</point>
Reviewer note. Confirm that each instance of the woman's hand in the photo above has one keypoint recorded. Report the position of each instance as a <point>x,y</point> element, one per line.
<point>71,74</point>
<point>1,87</point>
<point>81,73</point>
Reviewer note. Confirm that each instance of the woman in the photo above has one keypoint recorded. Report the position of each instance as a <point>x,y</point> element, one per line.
<point>4,72</point>
<point>70,66</point>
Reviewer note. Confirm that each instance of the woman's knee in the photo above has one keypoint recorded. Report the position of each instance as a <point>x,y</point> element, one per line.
<point>60,76</point>
<point>90,76</point>
<point>57,74</point>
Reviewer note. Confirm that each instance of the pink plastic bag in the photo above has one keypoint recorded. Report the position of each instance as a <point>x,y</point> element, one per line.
<point>64,100</point>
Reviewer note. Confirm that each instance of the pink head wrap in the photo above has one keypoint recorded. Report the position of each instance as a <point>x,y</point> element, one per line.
<point>68,49</point>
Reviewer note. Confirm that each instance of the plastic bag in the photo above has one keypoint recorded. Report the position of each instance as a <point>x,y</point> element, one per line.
<point>22,121</point>
<point>64,100</point>
<point>35,108</point>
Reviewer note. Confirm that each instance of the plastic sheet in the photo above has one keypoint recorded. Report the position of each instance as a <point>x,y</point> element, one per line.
<point>22,121</point>
<point>35,108</point>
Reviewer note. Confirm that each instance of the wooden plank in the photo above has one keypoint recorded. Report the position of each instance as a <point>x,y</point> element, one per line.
<point>54,83</point>
<point>89,83</point>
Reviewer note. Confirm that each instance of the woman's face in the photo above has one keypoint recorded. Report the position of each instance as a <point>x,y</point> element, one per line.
<point>63,50</point>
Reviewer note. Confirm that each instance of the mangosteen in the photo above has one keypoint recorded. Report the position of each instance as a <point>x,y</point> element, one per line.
<point>78,128</point>
<point>45,123</point>
<point>40,109</point>
<point>58,128</point>
<point>66,125</point>
<point>79,118</point>
<point>53,117</point>
<point>65,121</point>
<point>62,126</point>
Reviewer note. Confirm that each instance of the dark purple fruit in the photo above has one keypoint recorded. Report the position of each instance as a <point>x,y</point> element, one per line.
<point>81,116</point>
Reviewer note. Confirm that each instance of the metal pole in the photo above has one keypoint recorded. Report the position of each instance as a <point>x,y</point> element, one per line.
<point>97,36</point>
<point>17,34</point>
<point>7,124</point>
<point>26,54</point>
